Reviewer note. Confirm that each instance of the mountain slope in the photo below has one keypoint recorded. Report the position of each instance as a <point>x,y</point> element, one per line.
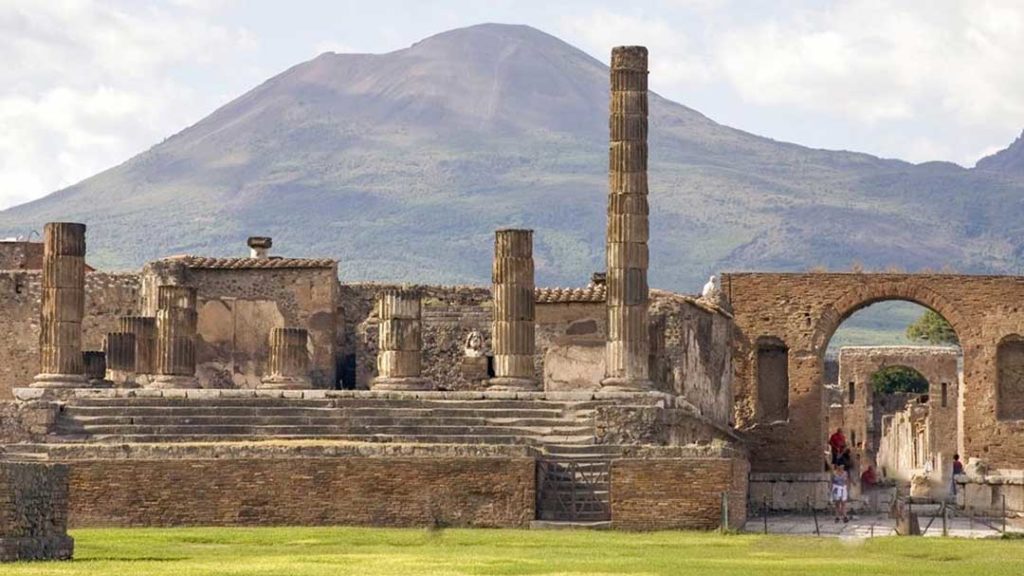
<point>402,165</point>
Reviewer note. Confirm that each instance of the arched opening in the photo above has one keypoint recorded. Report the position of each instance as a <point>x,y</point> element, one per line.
<point>892,373</point>
<point>772,358</point>
<point>1010,387</point>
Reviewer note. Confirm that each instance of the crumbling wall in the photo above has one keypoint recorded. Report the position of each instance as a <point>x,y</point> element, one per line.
<point>21,255</point>
<point>450,313</point>
<point>34,512</point>
<point>237,308</point>
<point>107,296</point>
<point>692,354</point>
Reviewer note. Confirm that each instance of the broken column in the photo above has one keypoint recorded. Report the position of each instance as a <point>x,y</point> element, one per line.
<point>95,362</point>
<point>120,356</point>
<point>626,349</point>
<point>512,335</point>
<point>289,359</point>
<point>398,361</point>
<point>63,306</point>
<point>175,338</point>
<point>144,329</point>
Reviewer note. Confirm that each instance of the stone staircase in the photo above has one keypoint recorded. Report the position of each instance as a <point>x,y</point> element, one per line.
<point>563,427</point>
<point>573,486</point>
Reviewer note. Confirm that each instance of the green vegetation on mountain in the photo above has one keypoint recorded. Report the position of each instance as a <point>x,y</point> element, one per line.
<point>401,165</point>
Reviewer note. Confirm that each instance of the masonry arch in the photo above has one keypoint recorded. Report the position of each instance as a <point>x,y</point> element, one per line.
<point>804,310</point>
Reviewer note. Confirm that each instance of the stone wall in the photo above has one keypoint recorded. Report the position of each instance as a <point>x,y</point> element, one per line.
<point>678,494</point>
<point>107,296</point>
<point>693,358</point>
<point>21,255</point>
<point>34,512</point>
<point>442,491</point>
<point>450,313</point>
<point>570,345</point>
<point>240,302</point>
<point>804,310</point>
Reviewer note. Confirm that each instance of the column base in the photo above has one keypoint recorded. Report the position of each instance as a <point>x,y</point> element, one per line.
<point>97,383</point>
<point>505,383</point>
<point>285,383</point>
<point>617,384</point>
<point>172,382</point>
<point>416,384</point>
<point>59,381</point>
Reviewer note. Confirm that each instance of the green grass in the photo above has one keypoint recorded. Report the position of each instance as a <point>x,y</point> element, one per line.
<point>363,551</point>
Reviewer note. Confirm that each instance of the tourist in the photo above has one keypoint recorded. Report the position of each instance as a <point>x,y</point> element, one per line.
<point>840,492</point>
<point>845,459</point>
<point>958,468</point>
<point>837,442</point>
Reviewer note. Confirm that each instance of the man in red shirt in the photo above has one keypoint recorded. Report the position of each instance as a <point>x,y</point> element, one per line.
<point>837,443</point>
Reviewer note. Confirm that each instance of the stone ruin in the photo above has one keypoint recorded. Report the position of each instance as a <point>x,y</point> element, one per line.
<point>501,406</point>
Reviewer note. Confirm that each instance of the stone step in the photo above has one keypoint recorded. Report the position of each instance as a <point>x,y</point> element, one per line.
<point>384,438</point>
<point>322,419</point>
<point>219,411</point>
<point>333,402</point>
<point>569,525</point>
<point>287,429</point>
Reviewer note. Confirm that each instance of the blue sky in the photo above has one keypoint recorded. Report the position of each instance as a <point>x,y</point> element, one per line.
<point>87,84</point>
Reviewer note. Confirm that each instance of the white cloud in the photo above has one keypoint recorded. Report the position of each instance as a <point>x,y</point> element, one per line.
<point>85,85</point>
<point>875,61</point>
<point>675,60</point>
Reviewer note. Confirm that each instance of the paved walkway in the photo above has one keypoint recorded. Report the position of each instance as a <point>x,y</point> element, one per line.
<point>871,525</point>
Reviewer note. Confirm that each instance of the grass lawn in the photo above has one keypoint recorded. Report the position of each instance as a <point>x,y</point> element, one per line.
<point>366,551</point>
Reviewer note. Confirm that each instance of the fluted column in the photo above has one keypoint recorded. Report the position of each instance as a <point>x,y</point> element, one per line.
<point>120,356</point>
<point>95,362</point>
<point>513,330</point>
<point>175,338</point>
<point>399,357</point>
<point>626,350</point>
<point>289,359</point>
<point>144,329</point>
<point>63,306</point>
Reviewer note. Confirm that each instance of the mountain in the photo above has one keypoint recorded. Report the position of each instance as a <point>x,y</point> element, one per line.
<point>402,164</point>
<point>1010,160</point>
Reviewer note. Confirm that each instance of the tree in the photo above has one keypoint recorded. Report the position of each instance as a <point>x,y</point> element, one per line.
<point>898,379</point>
<point>932,328</point>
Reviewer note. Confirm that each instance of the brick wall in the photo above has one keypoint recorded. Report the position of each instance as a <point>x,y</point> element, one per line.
<point>484,492</point>
<point>34,512</point>
<point>107,296</point>
<point>804,310</point>
<point>663,494</point>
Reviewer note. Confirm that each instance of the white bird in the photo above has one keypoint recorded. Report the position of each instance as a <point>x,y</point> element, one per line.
<point>710,288</point>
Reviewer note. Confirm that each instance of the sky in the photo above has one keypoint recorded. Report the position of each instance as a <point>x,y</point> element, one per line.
<point>87,84</point>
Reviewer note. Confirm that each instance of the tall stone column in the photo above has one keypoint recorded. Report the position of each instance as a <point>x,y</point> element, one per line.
<point>399,357</point>
<point>289,359</point>
<point>626,349</point>
<point>175,338</point>
<point>513,330</point>
<point>144,329</point>
<point>120,351</point>
<point>63,306</point>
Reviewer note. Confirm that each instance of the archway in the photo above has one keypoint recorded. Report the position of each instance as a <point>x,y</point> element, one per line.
<point>804,310</point>
<point>895,398</point>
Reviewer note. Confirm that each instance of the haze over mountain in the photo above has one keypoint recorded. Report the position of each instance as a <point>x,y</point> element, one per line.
<point>401,165</point>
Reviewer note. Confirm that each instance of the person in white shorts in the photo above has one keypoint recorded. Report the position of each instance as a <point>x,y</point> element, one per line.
<point>840,492</point>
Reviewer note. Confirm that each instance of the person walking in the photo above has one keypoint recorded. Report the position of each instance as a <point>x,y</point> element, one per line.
<point>840,492</point>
